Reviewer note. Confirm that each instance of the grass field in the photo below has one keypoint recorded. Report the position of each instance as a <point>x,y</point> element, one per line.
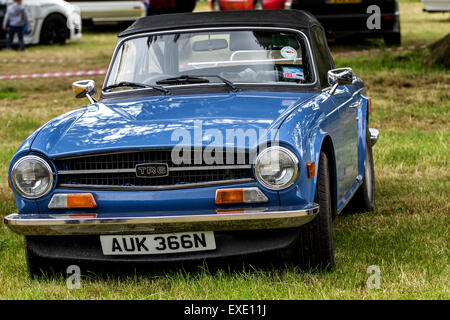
<point>407,235</point>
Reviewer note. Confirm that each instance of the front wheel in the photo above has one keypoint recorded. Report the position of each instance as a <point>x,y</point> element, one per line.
<point>39,267</point>
<point>314,247</point>
<point>54,30</point>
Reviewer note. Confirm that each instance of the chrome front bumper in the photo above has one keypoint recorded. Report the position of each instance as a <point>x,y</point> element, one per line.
<point>248,219</point>
<point>374,133</point>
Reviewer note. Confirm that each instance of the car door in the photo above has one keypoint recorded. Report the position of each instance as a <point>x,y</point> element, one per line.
<point>346,141</point>
<point>343,124</point>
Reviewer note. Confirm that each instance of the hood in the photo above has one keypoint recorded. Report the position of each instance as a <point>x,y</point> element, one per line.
<point>164,122</point>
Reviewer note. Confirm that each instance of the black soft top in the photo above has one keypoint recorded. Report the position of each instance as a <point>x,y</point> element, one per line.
<point>295,19</point>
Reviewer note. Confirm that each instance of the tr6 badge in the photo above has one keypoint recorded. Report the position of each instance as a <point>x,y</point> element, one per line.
<point>152,170</point>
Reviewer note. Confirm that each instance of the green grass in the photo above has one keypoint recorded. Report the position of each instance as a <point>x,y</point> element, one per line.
<point>407,235</point>
<point>9,93</point>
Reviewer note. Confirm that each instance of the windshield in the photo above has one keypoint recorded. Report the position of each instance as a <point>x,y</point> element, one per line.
<point>240,57</point>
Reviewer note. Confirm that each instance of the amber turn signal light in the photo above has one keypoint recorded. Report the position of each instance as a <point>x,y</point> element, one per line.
<point>311,169</point>
<point>240,195</point>
<point>72,201</point>
<point>80,201</point>
<point>228,196</point>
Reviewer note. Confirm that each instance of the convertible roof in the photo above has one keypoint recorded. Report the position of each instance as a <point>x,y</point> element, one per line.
<point>256,18</point>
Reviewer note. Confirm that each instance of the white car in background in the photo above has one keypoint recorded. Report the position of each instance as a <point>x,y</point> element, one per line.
<point>436,5</point>
<point>110,10</point>
<point>50,21</point>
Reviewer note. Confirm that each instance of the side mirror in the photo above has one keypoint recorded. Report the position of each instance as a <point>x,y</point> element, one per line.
<point>337,77</point>
<point>85,88</point>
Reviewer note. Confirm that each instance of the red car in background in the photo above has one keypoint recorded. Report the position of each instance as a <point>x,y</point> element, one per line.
<point>218,5</point>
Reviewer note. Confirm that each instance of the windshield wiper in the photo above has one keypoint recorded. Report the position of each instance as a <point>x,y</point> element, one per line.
<point>196,79</point>
<point>136,85</point>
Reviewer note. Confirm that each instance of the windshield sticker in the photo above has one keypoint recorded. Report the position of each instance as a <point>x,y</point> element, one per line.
<point>293,73</point>
<point>289,53</point>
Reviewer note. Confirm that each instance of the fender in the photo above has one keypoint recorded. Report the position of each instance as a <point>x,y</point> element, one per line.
<point>321,140</point>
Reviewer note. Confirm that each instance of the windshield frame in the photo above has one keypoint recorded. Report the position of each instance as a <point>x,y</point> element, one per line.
<point>193,30</point>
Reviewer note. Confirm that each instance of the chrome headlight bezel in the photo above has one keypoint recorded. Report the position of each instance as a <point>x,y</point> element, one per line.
<point>295,167</point>
<point>42,162</point>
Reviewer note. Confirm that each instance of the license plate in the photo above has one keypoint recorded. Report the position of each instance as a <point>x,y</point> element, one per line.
<point>158,243</point>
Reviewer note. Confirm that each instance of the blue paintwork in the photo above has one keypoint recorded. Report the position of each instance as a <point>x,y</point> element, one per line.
<point>150,122</point>
<point>302,120</point>
<point>335,117</point>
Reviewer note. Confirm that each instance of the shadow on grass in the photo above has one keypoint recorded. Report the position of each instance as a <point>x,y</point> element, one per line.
<point>268,263</point>
<point>354,42</point>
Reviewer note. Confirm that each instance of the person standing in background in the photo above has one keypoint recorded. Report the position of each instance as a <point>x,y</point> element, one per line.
<point>14,21</point>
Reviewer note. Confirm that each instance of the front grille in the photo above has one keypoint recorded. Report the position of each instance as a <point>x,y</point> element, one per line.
<point>117,170</point>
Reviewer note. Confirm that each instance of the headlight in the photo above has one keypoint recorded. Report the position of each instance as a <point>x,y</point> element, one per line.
<point>32,177</point>
<point>276,168</point>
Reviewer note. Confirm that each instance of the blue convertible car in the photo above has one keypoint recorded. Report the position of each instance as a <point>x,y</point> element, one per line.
<point>215,134</point>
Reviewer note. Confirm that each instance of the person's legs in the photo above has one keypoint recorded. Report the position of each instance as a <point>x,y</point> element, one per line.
<point>20,36</point>
<point>11,33</point>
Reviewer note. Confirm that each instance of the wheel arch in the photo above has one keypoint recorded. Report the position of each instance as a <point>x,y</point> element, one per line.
<point>324,143</point>
<point>52,14</point>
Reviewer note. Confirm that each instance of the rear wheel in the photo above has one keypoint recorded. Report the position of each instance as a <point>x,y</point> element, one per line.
<point>314,247</point>
<point>54,30</point>
<point>393,39</point>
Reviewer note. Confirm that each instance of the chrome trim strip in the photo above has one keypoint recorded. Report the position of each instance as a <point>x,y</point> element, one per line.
<point>154,188</point>
<point>62,172</point>
<point>224,167</point>
<point>36,224</point>
<point>239,150</point>
<point>308,45</point>
<point>133,170</point>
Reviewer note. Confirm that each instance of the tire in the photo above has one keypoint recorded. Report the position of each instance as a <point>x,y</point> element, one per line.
<point>258,5</point>
<point>216,5</point>
<point>38,267</point>
<point>364,198</point>
<point>393,39</point>
<point>54,30</point>
<point>314,248</point>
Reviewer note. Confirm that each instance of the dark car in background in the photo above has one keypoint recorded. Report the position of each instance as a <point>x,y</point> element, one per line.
<point>349,17</point>
<point>171,6</point>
